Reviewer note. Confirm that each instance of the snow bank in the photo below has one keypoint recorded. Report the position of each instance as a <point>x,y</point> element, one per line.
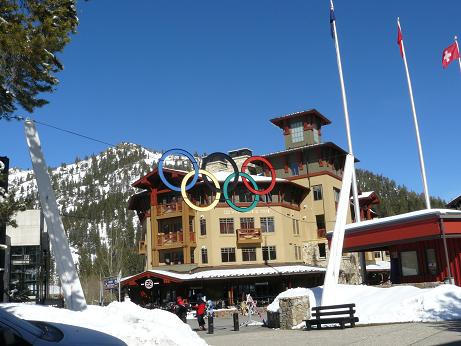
<point>292,292</point>
<point>390,305</point>
<point>126,321</point>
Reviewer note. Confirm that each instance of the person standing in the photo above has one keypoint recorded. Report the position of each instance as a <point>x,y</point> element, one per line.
<point>201,308</point>
<point>181,310</point>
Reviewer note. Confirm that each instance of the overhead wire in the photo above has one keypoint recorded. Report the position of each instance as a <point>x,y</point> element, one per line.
<point>21,118</point>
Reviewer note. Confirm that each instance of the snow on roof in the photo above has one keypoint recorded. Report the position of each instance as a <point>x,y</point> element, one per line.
<point>379,266</point>
<point>238,272</point>
<point>222,175</point>
<point>364,194</point>
<point>454,200</point>
<point>403,217</point>
<point>309,146</point>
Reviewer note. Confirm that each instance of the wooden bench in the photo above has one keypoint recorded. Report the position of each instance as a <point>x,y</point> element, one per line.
<point>341,314</point>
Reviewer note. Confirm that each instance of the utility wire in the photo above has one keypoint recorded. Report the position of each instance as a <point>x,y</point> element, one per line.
<point>20,118</point>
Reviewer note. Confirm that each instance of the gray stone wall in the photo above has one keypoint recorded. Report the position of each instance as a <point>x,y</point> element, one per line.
<point>350,271</point>
<point>293,311</point>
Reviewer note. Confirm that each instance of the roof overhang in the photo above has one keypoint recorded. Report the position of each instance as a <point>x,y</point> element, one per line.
<point>404,228</point>
<point>278,121</point>
<point>220,274</point>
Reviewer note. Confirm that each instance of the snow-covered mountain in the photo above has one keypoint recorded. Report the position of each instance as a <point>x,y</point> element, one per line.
<point>92,194</point>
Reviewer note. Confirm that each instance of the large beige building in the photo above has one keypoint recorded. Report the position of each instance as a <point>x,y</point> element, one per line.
<point>287,227</point>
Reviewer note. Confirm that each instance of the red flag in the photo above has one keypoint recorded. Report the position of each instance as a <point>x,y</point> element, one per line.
<point>399,38</point>
<point>449,54</point>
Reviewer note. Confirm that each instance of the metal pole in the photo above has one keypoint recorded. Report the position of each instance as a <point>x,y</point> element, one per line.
<point>349,140</point>
<point>415,120</point>
<point>346,118</point>
<point>445,248</point>
<point>457,46</point>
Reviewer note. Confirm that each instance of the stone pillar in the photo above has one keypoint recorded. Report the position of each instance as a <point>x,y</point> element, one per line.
<point>293,311</point>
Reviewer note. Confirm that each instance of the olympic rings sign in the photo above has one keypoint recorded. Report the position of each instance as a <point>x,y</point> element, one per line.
<point>214,184</point>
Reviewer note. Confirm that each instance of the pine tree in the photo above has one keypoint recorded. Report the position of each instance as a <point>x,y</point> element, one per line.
<point>31,33</point>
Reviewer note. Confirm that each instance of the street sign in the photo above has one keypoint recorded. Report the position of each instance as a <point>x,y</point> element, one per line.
<point>148,284</point>
<point>110,283</point>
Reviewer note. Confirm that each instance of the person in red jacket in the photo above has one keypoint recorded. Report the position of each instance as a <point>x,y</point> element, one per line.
<point>201,307</point>
<point>181,310</point>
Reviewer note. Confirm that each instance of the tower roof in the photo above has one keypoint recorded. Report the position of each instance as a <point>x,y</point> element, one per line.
<point>301,114</point>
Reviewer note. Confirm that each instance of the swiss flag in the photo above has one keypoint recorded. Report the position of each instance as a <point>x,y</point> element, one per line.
<point>449,54</point>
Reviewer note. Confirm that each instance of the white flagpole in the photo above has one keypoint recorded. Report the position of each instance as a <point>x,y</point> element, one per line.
<point>415,120</point>
<point>457,46</point>
<point>346,116</point>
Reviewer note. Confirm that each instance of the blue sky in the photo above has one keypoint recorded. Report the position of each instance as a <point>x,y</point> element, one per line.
<point>208,75</point>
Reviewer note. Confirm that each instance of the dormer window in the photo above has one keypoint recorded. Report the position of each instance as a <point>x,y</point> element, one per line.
<point>297,134</point>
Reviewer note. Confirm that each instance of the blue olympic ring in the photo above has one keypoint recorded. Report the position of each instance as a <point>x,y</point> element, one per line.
<point>190,157</point>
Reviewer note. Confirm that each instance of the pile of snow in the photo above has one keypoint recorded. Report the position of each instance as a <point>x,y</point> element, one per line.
<point>390,305</point>
<point>290,293</point>
<point>126,321</point>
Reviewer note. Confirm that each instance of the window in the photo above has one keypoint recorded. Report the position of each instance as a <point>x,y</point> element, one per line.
<point>377,254</point>
<point>409,263</point>
<point>228,254</point>
<point>316,136</point>
<point>192,256</point>
<point>202,226</point>
<point>320,219</point>
<point>269,253</point>
<point>247,223</point>
<point>248,254</point>
<point>226,226</point>
<point>336,193</point>
<point>297,129</point>
<point>322,250</point>
<point>295,227</point>
<point>431,261</point>
<point>317,191</point>
<point>298,255</point>
<point>267,224</point>
<point>204,255</point>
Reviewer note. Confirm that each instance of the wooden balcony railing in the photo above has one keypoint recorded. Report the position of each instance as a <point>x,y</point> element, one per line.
<point>174,239</point>
<point>163,209</point>
<point>249,235</point>
<point>321,232</point>
<point>142,247</point>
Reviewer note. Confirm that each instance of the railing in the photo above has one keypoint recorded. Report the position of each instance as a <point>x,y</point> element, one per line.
<point>249,235</point>
<point>167,208</point>
<point>142,247</point>
<point>174,238</point>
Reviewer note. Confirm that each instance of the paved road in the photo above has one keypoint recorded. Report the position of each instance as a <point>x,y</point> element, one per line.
<point>424,334</point>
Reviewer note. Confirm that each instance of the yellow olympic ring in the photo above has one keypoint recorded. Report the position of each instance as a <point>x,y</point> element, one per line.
<point>184,194</point>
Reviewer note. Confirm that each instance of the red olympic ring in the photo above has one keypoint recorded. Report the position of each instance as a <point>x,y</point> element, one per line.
<point>247,184</point>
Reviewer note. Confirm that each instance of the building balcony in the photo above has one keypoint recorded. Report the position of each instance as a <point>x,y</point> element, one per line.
<point>249,236</point>
<point>321,233</point>
<point>142,247</point>
<point>174,239</point>
<point>169,208</point>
